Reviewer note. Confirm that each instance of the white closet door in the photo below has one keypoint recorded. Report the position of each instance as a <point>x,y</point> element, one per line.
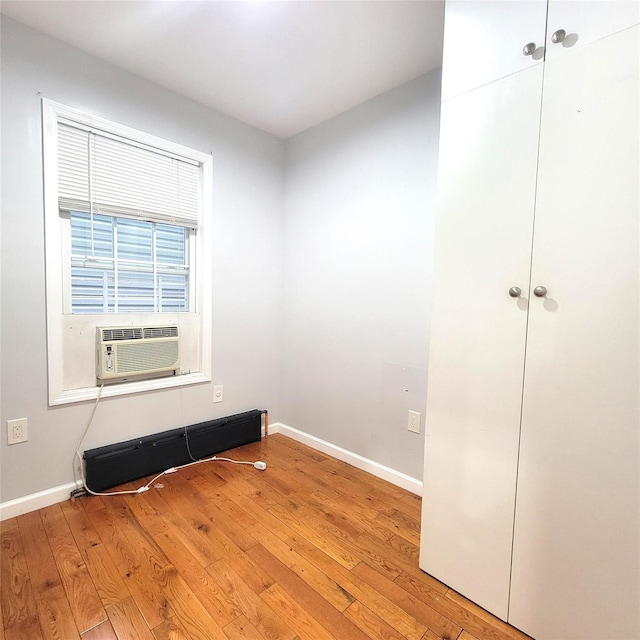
<point>483,41</point>
<point>585,21</point>
<point>576,565</point>
<point>487,168</point>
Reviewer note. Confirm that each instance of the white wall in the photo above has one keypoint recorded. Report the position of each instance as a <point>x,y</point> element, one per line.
<point>247,228</point>
<point>360,196</point>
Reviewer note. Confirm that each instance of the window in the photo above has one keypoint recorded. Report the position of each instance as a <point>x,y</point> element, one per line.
<point>131,210</point>
<point>122,265</point>
<point>128,242</point>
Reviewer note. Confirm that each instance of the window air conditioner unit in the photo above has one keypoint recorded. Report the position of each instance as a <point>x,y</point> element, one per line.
<point>135,353</point>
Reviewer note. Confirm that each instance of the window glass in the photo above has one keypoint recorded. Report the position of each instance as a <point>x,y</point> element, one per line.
<point>121,264</point>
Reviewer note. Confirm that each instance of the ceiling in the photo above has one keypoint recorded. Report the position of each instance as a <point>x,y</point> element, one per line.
<point>282,66</point>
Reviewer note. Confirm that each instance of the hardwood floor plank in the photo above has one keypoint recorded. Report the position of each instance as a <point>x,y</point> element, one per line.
<point>256,490</point>
<point>81,528</point>
<point>215,515</point>
<point>141,578</point>
<point>26,629</point>
<point>136,543</point>
<point>170,630</point>
<point>332,592</point>
<point>84,600</point>
<point>371,624</point>
<point>227,507</point>
<point>328,543</point>
<point>422,612</point>
<point>379,490</point>
<point>342,525</point>
<point>109,584</point>
<point>261,616</point>
<point>16,596</point>
<point>1,614</point>
<point>127,621</point>
<point>10,524</point>
<point>276,545</point>
<point>196,527</point>
<point>154,499</point>
<point>102,631</point>
<point>56,618</point>
<point>141,506</point>
<point>390,558</point>
<point>400,524</point>
<point>481,623</point>
<point>393,615</point>
<point>365,516</point>
<point>43,570</point>
<point>194,532</point>
<point>306,626</point>
<point>422,585</point>
<point>242,629</point>
<point>305,596</point>
<point>261,515</point>
<point>198,580</point>
<point>146,592</point>
<point>193,616</point>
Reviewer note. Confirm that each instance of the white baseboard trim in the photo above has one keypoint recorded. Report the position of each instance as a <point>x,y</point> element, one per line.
<point>39,500</point>
<point>374,468</point>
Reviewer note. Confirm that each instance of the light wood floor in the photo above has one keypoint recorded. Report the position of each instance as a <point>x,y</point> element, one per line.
<point>310,549</point>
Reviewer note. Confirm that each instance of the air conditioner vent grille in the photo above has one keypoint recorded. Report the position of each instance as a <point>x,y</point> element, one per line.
<point>160,332</point>
<point>138,356</point>
<point>126,333</point>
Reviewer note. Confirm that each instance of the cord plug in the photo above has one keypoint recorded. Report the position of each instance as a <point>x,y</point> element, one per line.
<point>171,470</point>
<point>142,489</point>
<point>261,466</point>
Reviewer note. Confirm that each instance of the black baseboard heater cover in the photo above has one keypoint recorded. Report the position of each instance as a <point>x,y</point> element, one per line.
<point>116,464</point>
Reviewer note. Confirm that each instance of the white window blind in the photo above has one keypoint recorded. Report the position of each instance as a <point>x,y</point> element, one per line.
<point>101,174</point>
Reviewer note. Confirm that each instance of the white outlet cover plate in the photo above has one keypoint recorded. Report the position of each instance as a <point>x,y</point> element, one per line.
<point>218,393</point>
<point>413,423</point>
<point>17,431</point>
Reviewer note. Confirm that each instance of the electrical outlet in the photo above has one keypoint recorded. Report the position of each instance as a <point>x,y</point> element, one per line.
<point>413,423</point>
<point>17,431</point>
<point>218,393</point>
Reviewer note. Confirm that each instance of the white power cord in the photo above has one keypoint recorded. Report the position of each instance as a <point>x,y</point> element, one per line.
<point>259,464</point>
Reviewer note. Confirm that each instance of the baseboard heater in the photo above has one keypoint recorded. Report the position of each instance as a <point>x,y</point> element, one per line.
<point>115,464</point>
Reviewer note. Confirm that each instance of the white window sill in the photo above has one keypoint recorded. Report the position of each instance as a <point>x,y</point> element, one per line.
<point>126,388</point>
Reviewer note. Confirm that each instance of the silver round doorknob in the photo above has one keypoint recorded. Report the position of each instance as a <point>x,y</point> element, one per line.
<point>529,49</point>
<point>515,292</point>
<point>558,36</point>
<point>540,292</point>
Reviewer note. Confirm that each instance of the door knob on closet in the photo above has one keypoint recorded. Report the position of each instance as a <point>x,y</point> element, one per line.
<point>558,36</point>
<point>529,49</point>
<point>515,292</point>
<point>540,292</point>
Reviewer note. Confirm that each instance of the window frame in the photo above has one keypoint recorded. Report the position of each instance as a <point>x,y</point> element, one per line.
<point>58,276</point>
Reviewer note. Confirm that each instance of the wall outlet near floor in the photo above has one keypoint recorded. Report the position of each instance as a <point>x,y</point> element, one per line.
<point>17,431</point>
<point>413,422</point>
<point>218,393</point>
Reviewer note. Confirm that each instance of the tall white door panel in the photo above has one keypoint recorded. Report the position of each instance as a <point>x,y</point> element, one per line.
<point>585,21</point>
<point>487,169</point>
<point>576,555</point>
<point>484,41</point>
